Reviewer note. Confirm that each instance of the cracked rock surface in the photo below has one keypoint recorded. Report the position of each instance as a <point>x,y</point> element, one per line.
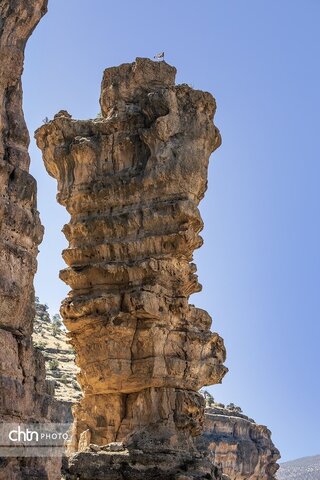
<point>132,181</point>
<point>242,448</point>
<point>24,393</point>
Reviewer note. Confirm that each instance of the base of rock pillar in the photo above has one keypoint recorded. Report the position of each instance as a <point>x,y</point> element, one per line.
<point>137,465</point>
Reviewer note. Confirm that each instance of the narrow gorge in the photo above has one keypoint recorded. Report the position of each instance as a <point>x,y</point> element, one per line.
<point>131,180</point>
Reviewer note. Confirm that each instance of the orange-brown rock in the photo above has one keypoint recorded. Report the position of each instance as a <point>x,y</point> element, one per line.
<point>132,181</point>
<point>242,448</point>
<point>24,392</point>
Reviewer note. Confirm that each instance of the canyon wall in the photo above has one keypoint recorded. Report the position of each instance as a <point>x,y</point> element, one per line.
<point>242,448</point>
<point>132,180</point>
<point>24,392</point>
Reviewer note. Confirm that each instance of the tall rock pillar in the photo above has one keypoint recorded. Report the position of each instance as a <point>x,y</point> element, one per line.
<point>132,181</point>
<point>24,392</point>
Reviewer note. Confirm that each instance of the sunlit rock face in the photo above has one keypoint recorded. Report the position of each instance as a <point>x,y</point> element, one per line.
<point>24,393</point>
<point>132,180</point>
<point>242,448</point>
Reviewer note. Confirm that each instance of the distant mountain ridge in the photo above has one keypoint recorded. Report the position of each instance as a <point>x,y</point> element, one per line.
<point>306,468</point>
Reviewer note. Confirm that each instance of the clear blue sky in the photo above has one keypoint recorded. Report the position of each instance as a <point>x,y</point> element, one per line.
<point>260,262</point>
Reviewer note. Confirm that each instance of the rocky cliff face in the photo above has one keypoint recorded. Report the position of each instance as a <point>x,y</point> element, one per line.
<point>61,370</point>
<point>241,447</point>
<point>132,181</point>
<point>23,389</point>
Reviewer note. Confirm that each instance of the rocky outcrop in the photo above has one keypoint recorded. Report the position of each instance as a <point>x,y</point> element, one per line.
<point>24,391</point>
<point>306,468</point>
<point>52,341</point>
<point>242,448</point>
<point>132,181</point>
<point>236,442</point>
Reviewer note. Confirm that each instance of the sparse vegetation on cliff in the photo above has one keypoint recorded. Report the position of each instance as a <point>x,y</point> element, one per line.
<point>50,337</point>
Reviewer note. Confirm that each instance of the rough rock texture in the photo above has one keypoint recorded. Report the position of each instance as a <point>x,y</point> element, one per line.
<point>59,355</point>
<point>306,468</point>
<point>132,181</point>
<point>242,448</point>
<point>23,389</point>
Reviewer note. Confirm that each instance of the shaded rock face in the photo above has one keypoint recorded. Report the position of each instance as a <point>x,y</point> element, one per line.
<point>132,181</point>
<point>242,448</point>
<point>21,231</point>
<point>23,389</point>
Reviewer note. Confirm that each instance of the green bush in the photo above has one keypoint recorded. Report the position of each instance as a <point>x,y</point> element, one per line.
<point>53,364</point>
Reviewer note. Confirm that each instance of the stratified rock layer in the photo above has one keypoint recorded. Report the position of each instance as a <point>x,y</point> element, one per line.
<point>132,181</point>
<point>24,394</point>
<point>242,448</point>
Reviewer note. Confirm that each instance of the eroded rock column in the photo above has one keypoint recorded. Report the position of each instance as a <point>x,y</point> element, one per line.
<point>132,181</point>
<point>24,392</point>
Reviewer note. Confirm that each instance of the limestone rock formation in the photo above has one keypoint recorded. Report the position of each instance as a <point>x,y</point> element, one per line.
<point>53,343</point>
<point>23,389</point>
<point>242,448</point>
<point>132,181</point>
<point>236,442</point>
